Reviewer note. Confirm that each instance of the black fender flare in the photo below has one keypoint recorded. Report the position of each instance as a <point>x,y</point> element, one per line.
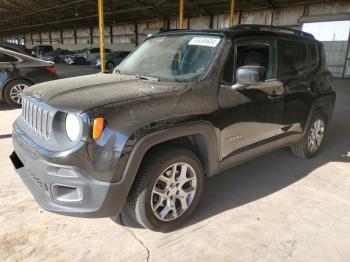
<point>206,141</point>
<point>323,104</point>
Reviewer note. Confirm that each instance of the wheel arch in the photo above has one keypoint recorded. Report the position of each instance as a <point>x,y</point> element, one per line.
<point>202,133</point>
<point>325,106</point>
<point>199,136</point>
<point>4,85</point>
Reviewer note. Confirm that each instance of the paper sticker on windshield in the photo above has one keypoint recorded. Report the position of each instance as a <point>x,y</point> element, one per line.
<point>204,41</point>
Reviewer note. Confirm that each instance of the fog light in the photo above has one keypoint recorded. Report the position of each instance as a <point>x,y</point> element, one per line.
<point>66,193</point>
<point>64,172</point>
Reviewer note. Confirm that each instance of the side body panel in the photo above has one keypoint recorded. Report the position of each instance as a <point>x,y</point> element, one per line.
<point>251,114</point>
<point>306,91</point>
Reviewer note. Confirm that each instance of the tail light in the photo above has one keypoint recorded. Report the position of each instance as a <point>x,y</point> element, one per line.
<point>52,69</point>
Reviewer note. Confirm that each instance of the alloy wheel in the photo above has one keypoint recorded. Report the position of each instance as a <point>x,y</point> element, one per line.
<point>173,191</point>
<point>316,135</point>
<point>16,93</point>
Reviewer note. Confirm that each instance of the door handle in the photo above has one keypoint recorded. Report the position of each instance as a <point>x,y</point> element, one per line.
<point>277,93</point>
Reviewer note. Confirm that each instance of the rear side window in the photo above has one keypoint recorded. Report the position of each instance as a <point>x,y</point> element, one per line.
<point>293,58</point>
<point>7,59</point>
<point>314,56</point>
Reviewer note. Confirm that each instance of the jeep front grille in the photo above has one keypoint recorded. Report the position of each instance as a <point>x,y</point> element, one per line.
<point>37,117</point>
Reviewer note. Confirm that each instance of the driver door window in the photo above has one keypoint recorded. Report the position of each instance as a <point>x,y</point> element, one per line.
<point>255,55</point>
<point>250,54</point>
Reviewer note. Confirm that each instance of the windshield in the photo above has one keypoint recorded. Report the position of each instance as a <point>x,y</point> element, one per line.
<point>174,57</point>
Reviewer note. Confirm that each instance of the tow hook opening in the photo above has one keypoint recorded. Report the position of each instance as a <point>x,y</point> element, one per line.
<point>16,161</point>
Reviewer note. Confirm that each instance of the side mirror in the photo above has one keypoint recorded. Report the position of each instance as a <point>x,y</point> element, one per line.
<point>250,75</point>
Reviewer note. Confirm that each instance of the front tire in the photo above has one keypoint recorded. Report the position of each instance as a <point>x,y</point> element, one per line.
<point>310,144</point>
<point>166,190</point>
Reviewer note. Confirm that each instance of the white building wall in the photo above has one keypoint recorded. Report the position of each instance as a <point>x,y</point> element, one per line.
<point>288,16</point>
<point>330,7</point>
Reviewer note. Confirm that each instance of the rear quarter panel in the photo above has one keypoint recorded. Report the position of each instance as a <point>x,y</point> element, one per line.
<point>29,71</point>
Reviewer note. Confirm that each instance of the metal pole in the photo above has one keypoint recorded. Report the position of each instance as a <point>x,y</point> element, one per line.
<point>232,11</point>
<point>347,54</point>
<point>181,15</point>
<point>102,34</point>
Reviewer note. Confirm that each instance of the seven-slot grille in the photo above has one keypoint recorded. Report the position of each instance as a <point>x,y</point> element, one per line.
<point>37,117</point>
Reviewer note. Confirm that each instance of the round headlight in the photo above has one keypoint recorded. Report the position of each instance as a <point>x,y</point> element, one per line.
<point>73,127</point>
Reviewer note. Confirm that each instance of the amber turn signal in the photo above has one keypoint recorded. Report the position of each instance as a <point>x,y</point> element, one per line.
<point>97,127</point>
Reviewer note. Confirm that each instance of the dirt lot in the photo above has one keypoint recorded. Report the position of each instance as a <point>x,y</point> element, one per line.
<point>274,208</point>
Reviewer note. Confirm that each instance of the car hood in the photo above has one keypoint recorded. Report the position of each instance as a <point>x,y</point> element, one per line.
<point>85,92</point>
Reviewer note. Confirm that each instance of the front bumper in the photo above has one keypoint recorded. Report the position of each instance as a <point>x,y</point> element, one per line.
<point>39,173</point>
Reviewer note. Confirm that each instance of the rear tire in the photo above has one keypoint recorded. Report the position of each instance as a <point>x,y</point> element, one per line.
<point>109,66</point>
<point>13,92</point>
<point>310,144</point>
<point>161,199</point>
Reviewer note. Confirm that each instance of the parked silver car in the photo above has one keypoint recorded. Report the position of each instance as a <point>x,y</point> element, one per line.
<point>57,55</point>
<point>113,59</point>
<point>89,55</point>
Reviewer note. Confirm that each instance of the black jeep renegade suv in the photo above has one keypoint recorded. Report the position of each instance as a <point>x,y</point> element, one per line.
<point>183,106</point>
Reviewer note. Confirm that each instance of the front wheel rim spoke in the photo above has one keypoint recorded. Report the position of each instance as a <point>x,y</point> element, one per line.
<point>189,190</point>
<point>13,96</point>
<point>165,211</point>
<point>173,172</point>
<point>158,204</point>
<point>164,178</point>
<point>174,210</point>
<point>319,139</point>
<point>159,192</point>
<point>183,173</point>
<point>183,202</point>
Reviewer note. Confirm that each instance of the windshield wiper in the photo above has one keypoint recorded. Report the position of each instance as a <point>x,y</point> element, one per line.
<point>150,78</point>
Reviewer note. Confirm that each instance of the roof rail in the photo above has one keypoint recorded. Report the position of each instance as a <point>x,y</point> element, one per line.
<point>254,27</point>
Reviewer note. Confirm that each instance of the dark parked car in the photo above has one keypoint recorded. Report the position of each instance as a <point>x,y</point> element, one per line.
<point>18,71</point>
<point>39,50</point>
<point>113,59</point>
<point>15,47</point>
<point>185,105</point>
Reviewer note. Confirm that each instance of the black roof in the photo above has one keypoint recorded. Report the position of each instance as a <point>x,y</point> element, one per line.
<point>248,30</point>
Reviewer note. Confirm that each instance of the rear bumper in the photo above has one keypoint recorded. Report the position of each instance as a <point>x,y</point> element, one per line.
<point>83,196</point>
